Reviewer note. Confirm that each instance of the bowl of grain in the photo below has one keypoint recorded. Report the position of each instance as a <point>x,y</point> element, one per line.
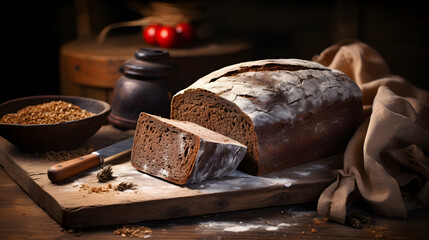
<point>51,122</point>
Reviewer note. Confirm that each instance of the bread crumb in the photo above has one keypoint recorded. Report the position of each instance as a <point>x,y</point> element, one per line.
<point>107,188</point>
<point>377,230</point>
<point>133,231</point>
<point>318,221</point>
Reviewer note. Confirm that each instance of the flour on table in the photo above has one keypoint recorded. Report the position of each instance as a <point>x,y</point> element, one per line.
<point>242,227</point>
<point>239,181</point>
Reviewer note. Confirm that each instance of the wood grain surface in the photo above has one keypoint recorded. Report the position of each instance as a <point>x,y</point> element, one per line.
<point>22,218</point>
<point>83,201</point>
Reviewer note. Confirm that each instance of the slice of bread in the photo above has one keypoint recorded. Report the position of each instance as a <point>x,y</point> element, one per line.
<point>183,152</point>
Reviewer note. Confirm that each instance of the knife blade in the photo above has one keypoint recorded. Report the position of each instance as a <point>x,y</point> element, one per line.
<point>65,170</point>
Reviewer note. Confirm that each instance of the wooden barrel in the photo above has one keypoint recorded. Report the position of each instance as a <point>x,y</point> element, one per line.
<point>91,69</point>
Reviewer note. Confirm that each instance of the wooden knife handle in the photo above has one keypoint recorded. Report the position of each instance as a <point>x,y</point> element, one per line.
<point>63,171</point>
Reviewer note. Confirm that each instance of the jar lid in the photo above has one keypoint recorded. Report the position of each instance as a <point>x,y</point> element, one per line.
<point>150,63</point>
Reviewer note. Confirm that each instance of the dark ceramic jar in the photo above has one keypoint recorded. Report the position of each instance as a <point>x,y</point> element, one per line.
<point>143,87</point>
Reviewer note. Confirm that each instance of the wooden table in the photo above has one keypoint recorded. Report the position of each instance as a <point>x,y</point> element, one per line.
<point>91,69</point>
<point>22,218</point>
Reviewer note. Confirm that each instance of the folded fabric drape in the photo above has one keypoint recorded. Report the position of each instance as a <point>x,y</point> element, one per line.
<point>385,162</point>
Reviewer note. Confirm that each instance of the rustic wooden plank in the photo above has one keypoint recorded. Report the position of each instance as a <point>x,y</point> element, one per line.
<point>21,218</point>
<point>73,205</point>
<point>88,68</point>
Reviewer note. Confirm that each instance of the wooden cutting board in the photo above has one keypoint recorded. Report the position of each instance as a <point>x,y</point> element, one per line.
<point>77,203</point>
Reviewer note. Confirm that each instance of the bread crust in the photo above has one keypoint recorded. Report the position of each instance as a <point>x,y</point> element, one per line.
<point>298,110</point>
<point>183,152</point>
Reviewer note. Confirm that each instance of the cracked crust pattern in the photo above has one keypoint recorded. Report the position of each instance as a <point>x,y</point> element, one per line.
<point>273,98</point>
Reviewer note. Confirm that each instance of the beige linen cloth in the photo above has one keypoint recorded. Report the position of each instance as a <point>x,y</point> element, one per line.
<point>385,162</point>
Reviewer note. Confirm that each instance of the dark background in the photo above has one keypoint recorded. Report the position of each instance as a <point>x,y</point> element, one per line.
<point>33,31</point>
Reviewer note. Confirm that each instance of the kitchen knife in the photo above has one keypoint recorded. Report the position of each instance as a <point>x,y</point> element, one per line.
<point>64,170</point>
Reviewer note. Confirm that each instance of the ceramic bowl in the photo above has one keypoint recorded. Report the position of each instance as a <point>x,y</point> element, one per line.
<point>60,136</point>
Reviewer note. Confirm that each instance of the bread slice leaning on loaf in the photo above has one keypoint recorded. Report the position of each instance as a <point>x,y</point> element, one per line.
<point>183,152</point>
<point>286,111</point>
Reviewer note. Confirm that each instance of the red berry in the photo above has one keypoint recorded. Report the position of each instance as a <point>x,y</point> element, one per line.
<point>185,33</point>
<point>150,32</point>
<point>166,37</point>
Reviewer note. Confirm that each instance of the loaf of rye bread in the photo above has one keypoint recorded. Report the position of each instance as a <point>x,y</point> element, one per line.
<point>286,111</point>
<point>183,152</point>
